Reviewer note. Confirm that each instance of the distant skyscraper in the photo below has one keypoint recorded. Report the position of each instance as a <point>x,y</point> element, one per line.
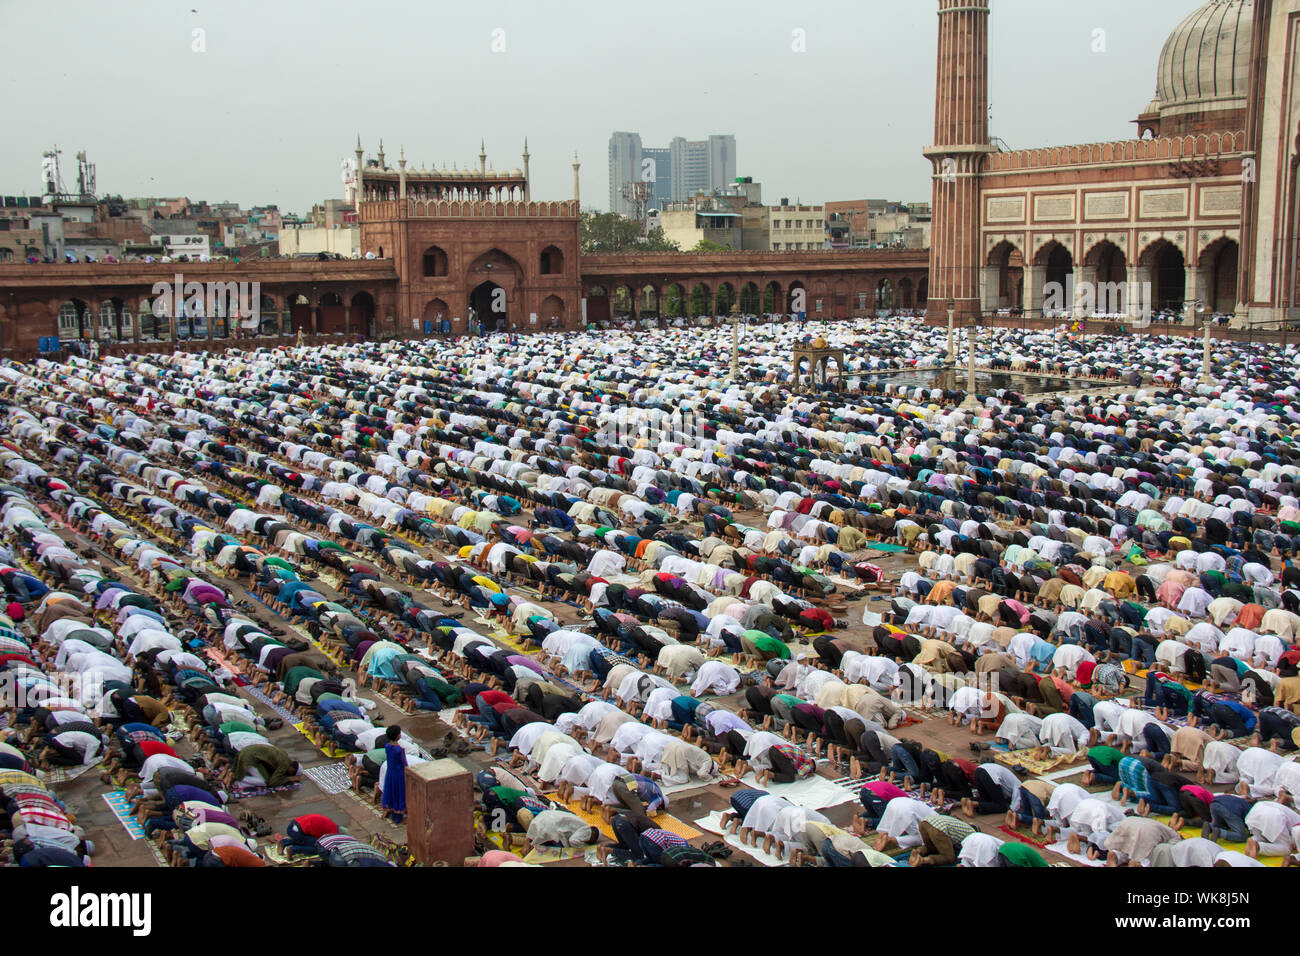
<point>676,172</point>
<point>624,167</point>
<point>660,171</point>
<point>701,165</point>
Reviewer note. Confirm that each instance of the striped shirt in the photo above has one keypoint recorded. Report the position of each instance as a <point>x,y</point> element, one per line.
<point>347,849</point>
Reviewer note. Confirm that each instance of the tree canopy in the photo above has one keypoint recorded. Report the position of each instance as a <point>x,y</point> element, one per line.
<point>610,232</point>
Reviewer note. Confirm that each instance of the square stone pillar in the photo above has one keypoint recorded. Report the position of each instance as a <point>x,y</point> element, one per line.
<point>440,812</point>
<point>1139,292</point>
<point>1194,289</point>
<point>1035,279</point>
<point>1084,297</point>
<point>991,300</point>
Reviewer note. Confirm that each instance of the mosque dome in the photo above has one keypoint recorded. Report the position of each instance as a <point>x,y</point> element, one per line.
<point>1203,77</point>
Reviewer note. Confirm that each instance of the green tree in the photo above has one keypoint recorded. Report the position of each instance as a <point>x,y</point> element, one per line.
<point>656,241</point>
<point>708,245</point>
<point>610,232</point>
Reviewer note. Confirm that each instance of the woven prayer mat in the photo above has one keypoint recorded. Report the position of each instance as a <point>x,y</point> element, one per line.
<point>244,793</point>
<point>1026,836</point>
<point>514,642</point>
<point>375,809</point>
<point>1021,758</point>
<point>330,778</point>
<point>222,661</point>
<point>275,856</point>
<point>121,806</point>
<point>855,787</point>
<point>283,713</point>
<point>814,792</point>
<point>59,775</point>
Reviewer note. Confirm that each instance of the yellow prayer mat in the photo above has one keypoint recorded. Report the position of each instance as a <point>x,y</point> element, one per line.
<point>514,642</point>
<point>1131,667</point>
<point>332,653</point>
<point>538,854</point>
<point>1188,832</point>
<point>274,856</point>
<point>663,821</point>
<point>328,750</point>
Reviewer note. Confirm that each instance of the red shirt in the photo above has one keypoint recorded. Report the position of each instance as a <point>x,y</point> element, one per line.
<point>494,699</point>
<point>151,748</point>
<point>316,824</point>
<point>967,767</point>
<point>820,616</point>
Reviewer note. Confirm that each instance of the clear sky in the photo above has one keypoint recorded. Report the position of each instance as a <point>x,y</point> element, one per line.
<point>263,104</point>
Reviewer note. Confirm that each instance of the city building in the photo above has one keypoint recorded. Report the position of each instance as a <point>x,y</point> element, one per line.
<point>877,223</point>
<point>701,165</point>
<point>675,173</point>
<point>796,228</point>
<point>660,170</point>
<point>624,168</point>
<point>301,238</point>
<point>732,218</point>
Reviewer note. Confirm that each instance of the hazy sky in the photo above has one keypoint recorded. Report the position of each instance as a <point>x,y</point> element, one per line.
<point>267,110</point>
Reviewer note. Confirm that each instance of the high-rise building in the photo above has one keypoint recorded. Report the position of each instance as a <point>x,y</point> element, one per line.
<point>624,167</point>
<point>660,171</point>
<point>676,172</point>
<point>701,165</point>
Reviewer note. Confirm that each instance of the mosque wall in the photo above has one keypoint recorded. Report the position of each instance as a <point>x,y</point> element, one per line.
<point>1269,275</point>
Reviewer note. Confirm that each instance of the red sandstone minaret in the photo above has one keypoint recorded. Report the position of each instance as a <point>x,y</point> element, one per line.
<point>961,140</point>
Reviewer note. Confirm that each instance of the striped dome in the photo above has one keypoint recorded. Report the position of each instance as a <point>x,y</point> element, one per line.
<point>1205,64</point>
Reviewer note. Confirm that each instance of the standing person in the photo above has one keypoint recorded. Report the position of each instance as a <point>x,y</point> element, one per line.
<point>394,774</point>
